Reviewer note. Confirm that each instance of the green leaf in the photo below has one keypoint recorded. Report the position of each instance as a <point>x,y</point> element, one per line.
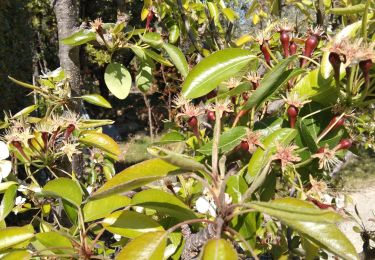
<point>305,219</point>
<point>307,137</point>
<point>219,249</point>
<point>177,58</point>
<point>55,242</point>
<point>118,27</point>
<point>171,137</point>
<point>261,157</point>
<point>26,111</point>
<point>228,140</point>
<point>236,186</point>
<point>348,10</point>
<point>64,188</point>
<point>157,57</point>
<point>148,246</point>
<point>12,236</point>
<point>174,33</point>
<point>23,84</point>
<point>118,80</point>
<point>163,202</point>
<point>100,208</point>
<point>144,78</point>
<point>152,39</point>
<point>96,99</point>
<point>136,176</point>
<point>81,37</point>
<point>292,208</point>
<point>93,123</point>
<point>183,161</point>
<point>17,255</point>
<point>233,92</point>
<point>130,224</point>
<point>101,141</point>
<point>214,69</point>
<point>5,185</point>
<point>230,14</point>
<point>272,81</point>
<point>313,86</point>
<point>7,203</point>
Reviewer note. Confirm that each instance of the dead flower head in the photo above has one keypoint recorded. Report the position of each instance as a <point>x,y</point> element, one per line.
<point>221,106</point>
<point>180,101</point>
<point>284,26</point>
<point>70,149</point>
<point>317,187</point>
<point>232,83</point>
<point>294,99</point>
<point>97,25</point>
<point>286,155</point>
<point>189,110</point>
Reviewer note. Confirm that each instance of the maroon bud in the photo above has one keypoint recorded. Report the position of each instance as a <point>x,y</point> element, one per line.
<point>69,130</point>
<point>321,150</point>
<point>45,139</point>
<point>211,94</point>
<point>18,146</point>
<point>244,146</point>
<point>192,122</point>
<point>284,39</point>
<point>335,61</point>
<point>292,48</point>
<point>344,144</point>
<point>292,115</point>
<point>265,52</point>
<point>211,116</point>
<point>365,66</point>
<point>310,44</point>
<point>149,19</point>
<point>233,99</point>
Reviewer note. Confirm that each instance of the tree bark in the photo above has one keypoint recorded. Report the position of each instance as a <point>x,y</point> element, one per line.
<point>67,14</point>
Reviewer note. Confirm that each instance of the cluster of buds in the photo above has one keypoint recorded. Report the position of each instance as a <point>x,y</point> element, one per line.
<point>284,28</point>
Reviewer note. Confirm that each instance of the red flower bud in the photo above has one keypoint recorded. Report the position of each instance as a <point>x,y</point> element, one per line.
<point>310,45</point>
<point>284,39</point>
<point>244,146</point>
<point>211,116</point>
<point>69,130</point>
<point>265,52</point>
<point>192,122</point>
<point>292,48</point>
<point>344,144</point>
<point>365,66</point>
<point>292,115</point>
<point>335,61</point>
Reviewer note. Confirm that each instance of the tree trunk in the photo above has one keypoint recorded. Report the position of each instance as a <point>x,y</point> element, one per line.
<point>67,14</point>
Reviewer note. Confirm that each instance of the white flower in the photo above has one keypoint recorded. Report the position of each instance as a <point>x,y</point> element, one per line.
<point>90,189</point>
<point>5,165</point>
<point>20,201</point>
<point>203,206</point>
<point>117,237</point>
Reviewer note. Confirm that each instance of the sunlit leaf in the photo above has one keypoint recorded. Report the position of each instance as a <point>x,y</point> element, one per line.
<point>118,80</point>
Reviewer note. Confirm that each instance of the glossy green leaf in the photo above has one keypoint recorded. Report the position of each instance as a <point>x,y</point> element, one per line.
<point>313,86</point>
<point>136,176</point>
<point>26,111</point>
<point>100,208</point>
<point>55,242</point>
<point>118,27</point>
<point>97,100</point>
<point>177,58</point>
<point>272,81</point>
<point>228,140</point>
<point>261,157</point>
<point>214,69</point>
<point>139,52</point>
<point>230,14</point>
<point>171,137</point>
<point>219,249</point>
<point>307,137</point>
<point>64,188</point>
<point>214,10</point>
<point>17,255</point>
<point>246,86</point>
<point>183,161</point>
<point>81,37</point>
<point>236,186</point>
<point>12,236</point>
<point>163,202</point>
<point>71,211</point>
<point>349,10</point>
<point>144,78</point>
<point>174,33</point>
<point>93,123</point>
<point>153,39</point>
<point>7,202</point>
<point>23,84</point>
<point>101,141</point>
<point>157,57</point>
<point>5,185</point>
<point>130,224</point>
<point>145,247</point>
<point>300,210</point>
<point>118,80</point>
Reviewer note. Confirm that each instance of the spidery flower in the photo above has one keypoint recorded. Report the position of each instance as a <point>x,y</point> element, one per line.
<point>317,187</point>
<point>221,106</point>
<point>284,26</point>
<point>232,83</point>
<point>262,37</point>
<point>253,139</point>
<point>286,155</point>
<point>180,101</point>
<point>327,158</point>
<point>70,149</point>
<point>294,99</point>
<point>189,110</point>
<point>97,25</point>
